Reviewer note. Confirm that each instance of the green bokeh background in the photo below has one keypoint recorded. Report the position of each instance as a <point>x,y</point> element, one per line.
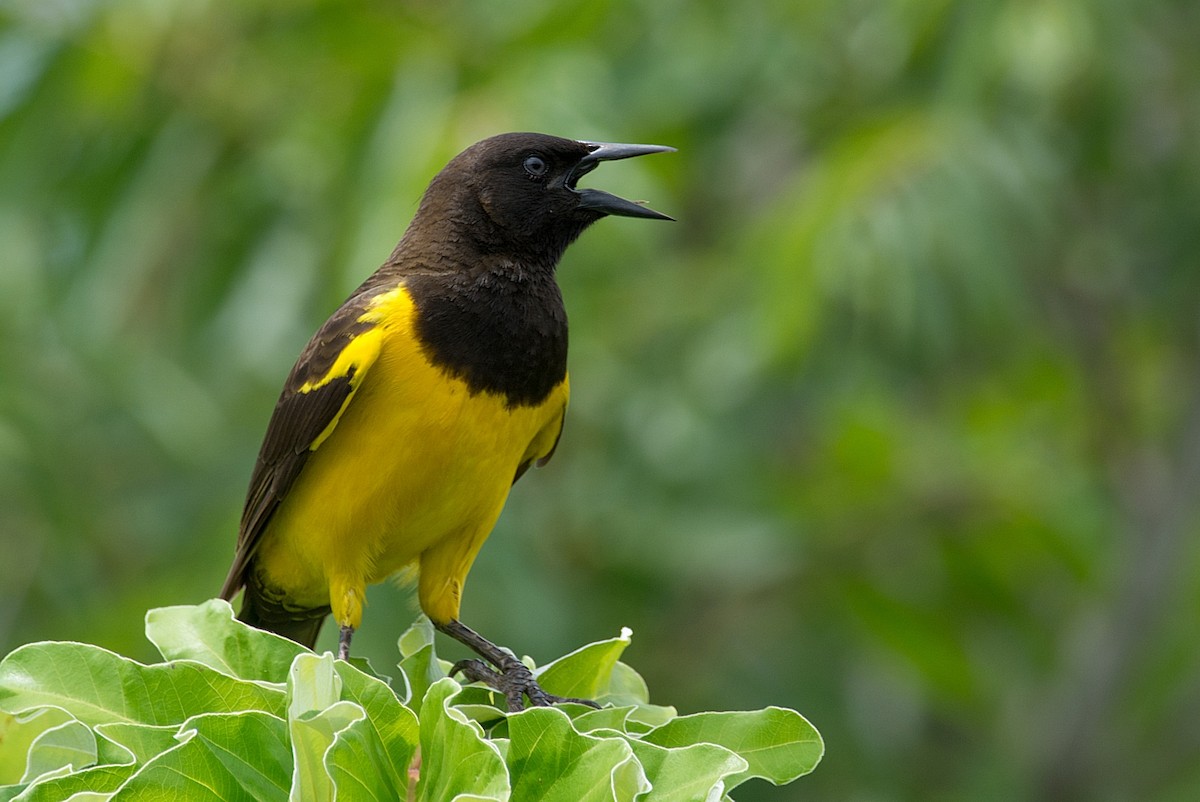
<point>899,425</point>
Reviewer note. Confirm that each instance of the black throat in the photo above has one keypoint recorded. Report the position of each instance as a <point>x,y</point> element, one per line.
<point>500,328</point>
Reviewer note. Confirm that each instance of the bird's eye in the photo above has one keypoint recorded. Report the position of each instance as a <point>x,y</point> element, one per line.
<point>536,166</point>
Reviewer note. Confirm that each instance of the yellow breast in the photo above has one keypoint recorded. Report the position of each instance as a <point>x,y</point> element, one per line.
<point>416,468</point>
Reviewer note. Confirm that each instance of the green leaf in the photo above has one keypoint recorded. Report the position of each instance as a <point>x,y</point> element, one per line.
<point>629,780</point>
<point>96,779</point>
<point>91,796</point>
<point>208,633</point>
<point>606,718</point>
<point>779,745</point>
<point>219,757</point>
<point>416,637</point>
<point>18,732</point>
<point>420,665</point>
<point>11,791</point>
<point>390,731</point>
<point>99,780</point>
<point>359,768</point>
<point>312,736</point>
<point>116,764</point>
<point>70,745</point>
<point>686,773</point>
<point>87,724</point>
<point>313,684</point>
<point>315,717</point>
<point>550,760</point>
<point>455,757</point>
<point>644,718</point>
<point>98,686</point>
<point>143,741</point>
<point>587,671</point>
<point>626,687</point>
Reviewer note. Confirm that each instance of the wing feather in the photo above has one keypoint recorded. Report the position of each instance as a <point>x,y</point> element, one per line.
<point>319,389</point>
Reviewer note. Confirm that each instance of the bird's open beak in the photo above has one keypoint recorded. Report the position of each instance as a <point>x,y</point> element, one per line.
<point>605,202</point>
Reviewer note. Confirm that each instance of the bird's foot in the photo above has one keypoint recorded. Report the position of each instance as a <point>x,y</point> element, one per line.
<point>506,674</point>
<point>513,679</point>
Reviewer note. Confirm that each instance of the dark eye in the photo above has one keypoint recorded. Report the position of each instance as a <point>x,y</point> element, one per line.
<point>536,166</point>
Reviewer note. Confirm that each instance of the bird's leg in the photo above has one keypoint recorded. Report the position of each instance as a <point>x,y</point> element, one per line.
<point>510,676</point>
<point>344,635</point>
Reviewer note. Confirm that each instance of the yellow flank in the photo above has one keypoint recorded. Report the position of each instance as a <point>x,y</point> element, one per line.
<point>413,469</point>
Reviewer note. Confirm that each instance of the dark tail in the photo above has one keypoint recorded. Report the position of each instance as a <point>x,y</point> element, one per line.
<point>261,611</point>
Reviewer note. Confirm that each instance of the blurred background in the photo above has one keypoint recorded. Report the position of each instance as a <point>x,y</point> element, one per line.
<point>899,425</point>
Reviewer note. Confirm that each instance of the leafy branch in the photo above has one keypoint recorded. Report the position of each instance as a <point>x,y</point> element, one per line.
<point>233,712</point>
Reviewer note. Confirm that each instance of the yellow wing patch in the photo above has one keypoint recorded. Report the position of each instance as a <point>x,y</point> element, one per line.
<point>356,358</point>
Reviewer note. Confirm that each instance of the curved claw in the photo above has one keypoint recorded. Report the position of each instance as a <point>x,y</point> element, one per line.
<point>515,681</point>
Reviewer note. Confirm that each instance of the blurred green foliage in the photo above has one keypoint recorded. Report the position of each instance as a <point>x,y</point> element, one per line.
<point>898,426</point>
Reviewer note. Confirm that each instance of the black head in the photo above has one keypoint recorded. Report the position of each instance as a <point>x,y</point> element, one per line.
<point>522,189</point>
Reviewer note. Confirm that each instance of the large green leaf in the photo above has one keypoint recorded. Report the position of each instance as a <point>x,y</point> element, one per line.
<point>778,745</point>
<point>385,740</point>
<point>313,735</point>
<point>17,734</point>
<point>315,716</point>
<point>455,757</point>
<point>98,686</point>
<point>687,773</point>
<point>69,746</point>
<point>550,760</point>
<point>115,762</point>
<point>351,736</point>
<point>358,767</point>
<point>586,672</point>
<point>208,633</point>
<point>626,687</point>
<point>419,663</point>
<point>219,757</point>
<point>606,718</point>
<point>99,780</point>
<point>142,741</point>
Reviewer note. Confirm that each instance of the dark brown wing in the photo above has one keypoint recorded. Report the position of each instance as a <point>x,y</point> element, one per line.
<point>320,386</point>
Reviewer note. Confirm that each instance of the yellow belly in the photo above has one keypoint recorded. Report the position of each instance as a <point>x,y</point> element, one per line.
<point>416,470</point>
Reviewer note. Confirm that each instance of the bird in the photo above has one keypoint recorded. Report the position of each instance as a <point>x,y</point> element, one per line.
<point>423,398</point>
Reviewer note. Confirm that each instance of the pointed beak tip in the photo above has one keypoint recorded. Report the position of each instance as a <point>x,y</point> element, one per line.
<point>610,151</point>
<point>610,204</point>
<point>654,214</point>
<point>607,203</point>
